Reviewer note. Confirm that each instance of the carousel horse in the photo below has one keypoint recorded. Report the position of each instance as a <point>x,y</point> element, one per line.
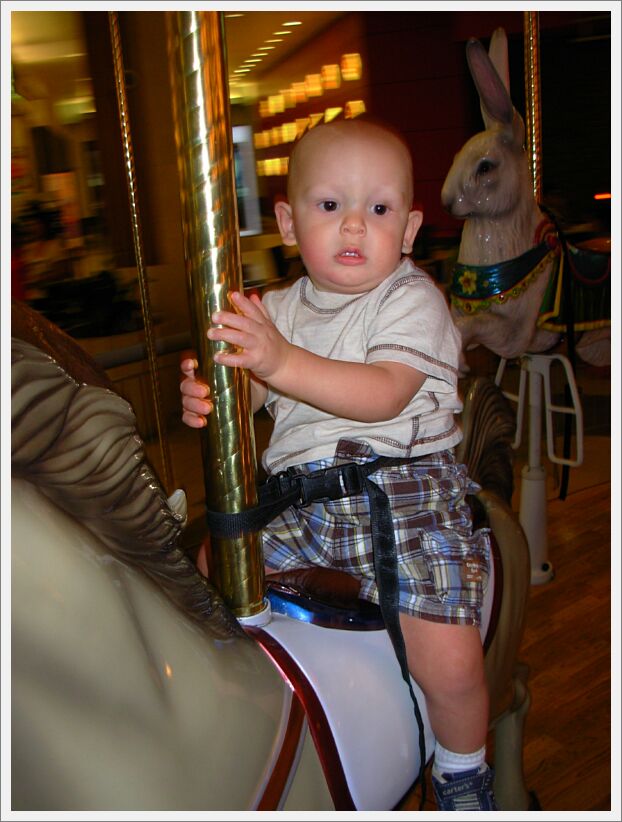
<point>518,285</point>
<point>133,685</point>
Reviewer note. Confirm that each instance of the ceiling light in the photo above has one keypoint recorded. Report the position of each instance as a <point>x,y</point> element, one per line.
<point>253,60</point>
<point>300,92</point>
<point>292,23</point>
<point>331,76</point>
<point>302,124</point>
<point>354,108</point>
<point>331,113</point>
<point>265,48</point>
<point>274,41</point>
<point>276,104</point>
<point>351,66</point>
<point>313,85</point>
<point>280,32</point>
<point>288,131</point>
<point>289,96</point>
<point>239,14</point>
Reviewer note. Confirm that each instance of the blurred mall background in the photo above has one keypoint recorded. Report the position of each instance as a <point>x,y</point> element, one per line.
<point>72,245</point>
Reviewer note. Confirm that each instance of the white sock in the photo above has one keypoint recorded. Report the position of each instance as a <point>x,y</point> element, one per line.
<point>450,762</point>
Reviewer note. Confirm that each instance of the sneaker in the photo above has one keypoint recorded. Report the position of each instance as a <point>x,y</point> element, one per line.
<point>465,791</point>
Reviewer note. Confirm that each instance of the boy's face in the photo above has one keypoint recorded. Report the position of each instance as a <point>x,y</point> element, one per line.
<point>350,207</point>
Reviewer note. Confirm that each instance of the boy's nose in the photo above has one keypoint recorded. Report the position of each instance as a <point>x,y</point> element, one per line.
<point>353,223</point>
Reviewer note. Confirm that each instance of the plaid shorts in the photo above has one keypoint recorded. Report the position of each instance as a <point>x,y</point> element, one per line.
<point>443,565</point>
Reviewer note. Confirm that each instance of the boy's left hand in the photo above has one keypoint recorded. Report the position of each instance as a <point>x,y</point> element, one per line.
<point>261,347</point>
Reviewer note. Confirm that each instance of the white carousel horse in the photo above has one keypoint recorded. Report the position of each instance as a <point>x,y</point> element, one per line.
<point>508,291</point>
<point>133,686</point>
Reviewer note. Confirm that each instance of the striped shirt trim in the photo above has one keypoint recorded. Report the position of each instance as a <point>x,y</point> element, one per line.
<point>286,459</point>
<point>406,448</point>
<point>409,279</point>
<point>316,308</point>
<point>415,442</point>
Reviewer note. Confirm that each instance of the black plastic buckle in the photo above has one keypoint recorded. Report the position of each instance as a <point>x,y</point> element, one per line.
<point>329,483</point>
<point>283,483</point>
<point>353,479</point>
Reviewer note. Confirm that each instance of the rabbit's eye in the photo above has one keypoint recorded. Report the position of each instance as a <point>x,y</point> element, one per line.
<point>485,167</point>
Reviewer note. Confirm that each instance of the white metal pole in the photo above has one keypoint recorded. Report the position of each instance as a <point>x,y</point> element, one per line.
<point>533,503</point>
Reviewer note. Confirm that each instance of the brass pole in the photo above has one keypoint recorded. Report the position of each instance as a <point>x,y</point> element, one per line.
<point>198,73</point>
<point>533,112</point>
<point>128,156</point>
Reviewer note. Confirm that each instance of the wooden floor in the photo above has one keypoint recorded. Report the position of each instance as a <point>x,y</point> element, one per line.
<point>566,646</point>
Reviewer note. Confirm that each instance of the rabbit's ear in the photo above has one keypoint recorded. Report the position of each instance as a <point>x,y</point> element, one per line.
<point>498,53</point>
<point>495,101</point>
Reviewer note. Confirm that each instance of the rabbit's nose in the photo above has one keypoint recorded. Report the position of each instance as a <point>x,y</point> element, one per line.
<point>454,202</point>
<point>447,198</point>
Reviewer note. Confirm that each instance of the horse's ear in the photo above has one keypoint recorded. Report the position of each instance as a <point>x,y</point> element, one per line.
<point>495,101</point>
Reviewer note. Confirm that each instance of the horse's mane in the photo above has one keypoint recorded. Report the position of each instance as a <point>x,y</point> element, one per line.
<point>78,443</point>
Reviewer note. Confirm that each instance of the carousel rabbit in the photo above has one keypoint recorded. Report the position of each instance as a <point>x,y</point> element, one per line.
<point>507,291</point>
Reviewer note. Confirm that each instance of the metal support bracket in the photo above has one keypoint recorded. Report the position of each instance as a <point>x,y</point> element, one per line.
<point>536,373</point>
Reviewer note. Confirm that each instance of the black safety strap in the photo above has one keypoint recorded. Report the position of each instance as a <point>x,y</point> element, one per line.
<point>291,488</point>
<point>387,580</point>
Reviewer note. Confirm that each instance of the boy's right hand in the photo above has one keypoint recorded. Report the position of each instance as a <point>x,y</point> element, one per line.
<point>194,396</point>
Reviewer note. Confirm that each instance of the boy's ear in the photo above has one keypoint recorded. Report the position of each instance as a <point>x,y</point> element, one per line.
<point>285,222</point>
<point>415,218</point>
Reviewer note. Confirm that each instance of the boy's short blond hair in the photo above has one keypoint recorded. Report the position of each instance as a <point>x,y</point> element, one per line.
<point>352,128</point>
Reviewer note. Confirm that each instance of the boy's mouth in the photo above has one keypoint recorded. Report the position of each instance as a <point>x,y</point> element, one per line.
<point>350,255</point>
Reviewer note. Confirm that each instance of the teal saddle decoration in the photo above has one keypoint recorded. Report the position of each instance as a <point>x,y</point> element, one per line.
<point>578,290</point>
<point>475,288</point>
<point>581,293</point>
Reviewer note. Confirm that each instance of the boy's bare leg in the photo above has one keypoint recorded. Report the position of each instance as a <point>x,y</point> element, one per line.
<point>447,662</point>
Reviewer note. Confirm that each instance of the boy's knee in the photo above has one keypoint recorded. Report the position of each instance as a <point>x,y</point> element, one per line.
<point>462,675</point>
<point>445,659</point>
<point>467,681</point>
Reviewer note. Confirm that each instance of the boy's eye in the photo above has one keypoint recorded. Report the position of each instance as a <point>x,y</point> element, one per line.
<point>380,209</point>
<point>328,205</point>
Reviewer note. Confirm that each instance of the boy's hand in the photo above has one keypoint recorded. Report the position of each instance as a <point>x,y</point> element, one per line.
<point>194,396</point>
<point>261,347</point>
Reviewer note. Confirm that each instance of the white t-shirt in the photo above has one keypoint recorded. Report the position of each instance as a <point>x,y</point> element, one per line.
<point>405,319</point>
